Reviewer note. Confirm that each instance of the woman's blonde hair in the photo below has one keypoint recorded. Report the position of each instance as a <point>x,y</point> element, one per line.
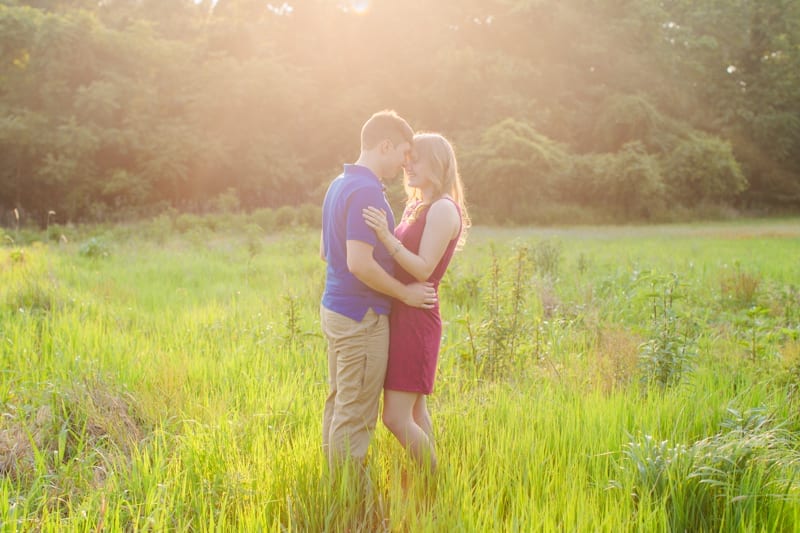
<point>439,153</point>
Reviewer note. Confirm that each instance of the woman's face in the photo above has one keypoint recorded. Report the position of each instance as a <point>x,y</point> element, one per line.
<point>418,171</point>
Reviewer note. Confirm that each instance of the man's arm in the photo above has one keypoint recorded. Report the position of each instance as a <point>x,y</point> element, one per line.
<point>363,266</point>
<point>322,247</point>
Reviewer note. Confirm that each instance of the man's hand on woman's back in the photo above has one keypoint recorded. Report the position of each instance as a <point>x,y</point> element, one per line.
<point>422,295</point>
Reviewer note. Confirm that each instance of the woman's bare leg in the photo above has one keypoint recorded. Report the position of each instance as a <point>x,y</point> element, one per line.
<point>423,418</point>
<point>398,416</point>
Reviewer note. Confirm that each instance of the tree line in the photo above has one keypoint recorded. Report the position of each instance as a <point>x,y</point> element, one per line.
<point>619,109</point>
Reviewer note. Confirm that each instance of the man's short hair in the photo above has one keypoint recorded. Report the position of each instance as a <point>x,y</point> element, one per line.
<point>385,125</point>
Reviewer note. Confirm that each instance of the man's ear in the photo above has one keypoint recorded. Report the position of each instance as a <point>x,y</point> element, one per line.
<point>386,145</point>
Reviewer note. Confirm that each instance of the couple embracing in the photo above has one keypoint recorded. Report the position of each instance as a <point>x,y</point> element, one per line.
<point>380,310</point>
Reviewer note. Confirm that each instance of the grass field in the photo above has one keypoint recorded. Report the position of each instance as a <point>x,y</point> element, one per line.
<point>591,379</point>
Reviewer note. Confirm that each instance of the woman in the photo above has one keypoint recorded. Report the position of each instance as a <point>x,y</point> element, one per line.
<point>434,224</point>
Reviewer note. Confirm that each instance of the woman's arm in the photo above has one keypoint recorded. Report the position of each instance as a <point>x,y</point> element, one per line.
<point>442,225</point>
<point>363,266</point>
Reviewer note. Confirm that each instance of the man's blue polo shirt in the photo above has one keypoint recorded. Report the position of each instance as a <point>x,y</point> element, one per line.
<point>356,188</point>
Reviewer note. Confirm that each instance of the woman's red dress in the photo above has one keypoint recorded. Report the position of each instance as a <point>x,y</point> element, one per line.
<point>415,334</point>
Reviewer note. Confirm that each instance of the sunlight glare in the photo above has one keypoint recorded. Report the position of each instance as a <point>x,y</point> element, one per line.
<point>359,6</point>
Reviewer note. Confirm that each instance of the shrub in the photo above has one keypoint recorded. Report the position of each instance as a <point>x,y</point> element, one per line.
<point>630,180</point>
<point>581,183</point>
<point>187,221</point>
<point>309,215</point>
<point>703,169</point>
<point>500,342</point>
<point>56,232</point>
<point>226,202</point>
<point>622,186</point>
<point>199,235</point>
<point>513,170</point>
<point>461,289</point>
<point>739,288</point>
<point>254,238</point>
<point>627,118</point>
<point>715,481</point>
<point>546,256</point>
<point>266,218</point>
<point>94,248</point>
<point>670,350</point>
<point>224,221</point>
<point>17,256</point>
<point>285,217</point>
<point>757,333</point>
<point>159,228</point>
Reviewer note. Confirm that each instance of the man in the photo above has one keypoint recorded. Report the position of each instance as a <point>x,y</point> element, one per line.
<point>359,287</point>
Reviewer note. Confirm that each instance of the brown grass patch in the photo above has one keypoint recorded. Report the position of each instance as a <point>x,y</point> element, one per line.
<point>18,442</point>
<point>547,297</point>
<point>615,358</point>
<point>790,361</point>
<point>97,426</point>
<point>739,287</point>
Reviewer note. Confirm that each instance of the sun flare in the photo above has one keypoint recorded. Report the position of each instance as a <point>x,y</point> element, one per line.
<point>359,6</point>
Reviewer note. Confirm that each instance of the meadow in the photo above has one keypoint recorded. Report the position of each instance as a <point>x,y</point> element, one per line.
<point>615,378</point>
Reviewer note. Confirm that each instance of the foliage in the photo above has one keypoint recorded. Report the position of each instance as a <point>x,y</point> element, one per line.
<point>524,167</point>
<point>703,169</point>
<point>624,119</point>
<point>708,484</point>
<point>546,257</point>
<point>94,248</point>
<point>632,179</point>
<point>78,432</point>
<point>501,342</point>
<point>738,287</point>
<point>670,351</point>
<point>116,110</point>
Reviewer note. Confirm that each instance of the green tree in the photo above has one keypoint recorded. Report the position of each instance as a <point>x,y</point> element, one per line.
<point>514,170</point>
<point>703,169</point>
<point>632,182</point>
<point>124,107</point>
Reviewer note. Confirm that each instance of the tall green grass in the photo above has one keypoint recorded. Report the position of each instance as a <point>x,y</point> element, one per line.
<point>595,379</point>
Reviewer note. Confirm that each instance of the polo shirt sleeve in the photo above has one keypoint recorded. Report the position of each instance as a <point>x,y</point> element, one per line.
<point>357,229</point>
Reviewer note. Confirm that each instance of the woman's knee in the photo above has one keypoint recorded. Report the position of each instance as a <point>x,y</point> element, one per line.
<point>398,408</point>
<point>393,419</point>
<point>425,423</point>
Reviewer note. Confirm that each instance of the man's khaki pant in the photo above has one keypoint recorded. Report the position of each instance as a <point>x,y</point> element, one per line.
<point>357,357</point>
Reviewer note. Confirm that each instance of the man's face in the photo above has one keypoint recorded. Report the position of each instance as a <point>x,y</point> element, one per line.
<point>396,157</point>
